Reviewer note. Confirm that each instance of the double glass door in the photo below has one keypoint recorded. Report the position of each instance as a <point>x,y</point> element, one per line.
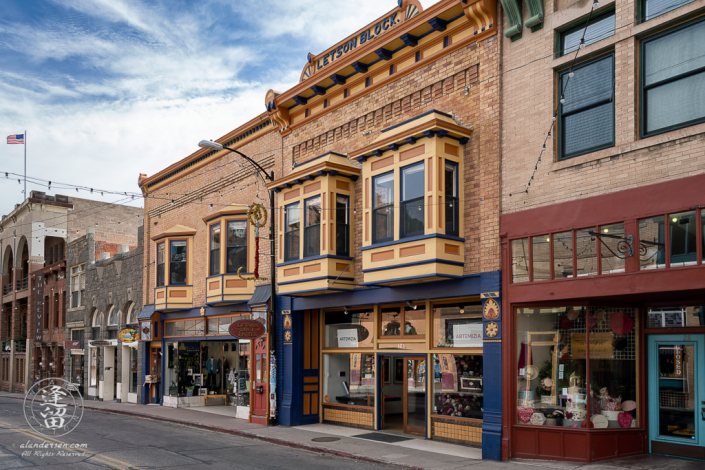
<point>677,395</point>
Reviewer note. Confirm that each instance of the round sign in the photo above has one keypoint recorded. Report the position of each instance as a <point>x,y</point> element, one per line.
<point>51,409</point>
<point>246,329</point>
<point>326,398</point>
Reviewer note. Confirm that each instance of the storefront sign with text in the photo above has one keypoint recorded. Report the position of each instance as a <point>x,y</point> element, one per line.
<point>600,346</point>
<point>247,329</point>
<point>467,336</point>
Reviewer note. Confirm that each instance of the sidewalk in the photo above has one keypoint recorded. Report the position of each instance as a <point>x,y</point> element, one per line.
<point>407,452</point>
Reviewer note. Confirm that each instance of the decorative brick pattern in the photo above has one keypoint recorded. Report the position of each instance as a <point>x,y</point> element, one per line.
<point>352,417</point>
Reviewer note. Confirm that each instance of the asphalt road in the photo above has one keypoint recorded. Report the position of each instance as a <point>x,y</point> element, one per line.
<point>122,442</point>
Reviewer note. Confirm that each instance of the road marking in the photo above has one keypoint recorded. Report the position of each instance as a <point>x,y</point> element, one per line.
<point>109,461</point>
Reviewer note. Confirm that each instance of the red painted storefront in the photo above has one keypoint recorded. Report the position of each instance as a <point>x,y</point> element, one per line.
<point>651,279</point>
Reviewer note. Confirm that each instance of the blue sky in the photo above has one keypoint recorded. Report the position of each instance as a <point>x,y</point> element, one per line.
<point>108,89</point>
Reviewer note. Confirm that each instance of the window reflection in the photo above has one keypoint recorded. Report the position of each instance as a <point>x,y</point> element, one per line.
<point>457,325</point>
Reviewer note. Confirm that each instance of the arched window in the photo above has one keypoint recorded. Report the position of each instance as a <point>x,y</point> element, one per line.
<point>113,322</point>
<point>131,317</point>
<point>96,324</point>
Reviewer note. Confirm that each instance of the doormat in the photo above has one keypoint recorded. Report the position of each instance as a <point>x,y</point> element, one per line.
<point>325,439</point>
<point>381,437</point>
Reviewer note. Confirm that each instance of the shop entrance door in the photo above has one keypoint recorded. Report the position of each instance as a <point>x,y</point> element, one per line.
<point>677,395</point>
<point>260,396</point>
<point>155,369</point>
<point>415,395</point>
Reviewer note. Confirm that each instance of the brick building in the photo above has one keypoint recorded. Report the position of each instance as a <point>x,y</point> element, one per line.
<point>107,366</point>
<point>394,285</point>
<point>602,232</point>
<point>34,272</point>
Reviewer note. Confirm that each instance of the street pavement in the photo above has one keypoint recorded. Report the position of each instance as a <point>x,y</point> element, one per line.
<point>122,436</point>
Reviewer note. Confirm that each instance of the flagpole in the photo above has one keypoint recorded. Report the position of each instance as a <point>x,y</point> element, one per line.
<point>25,164</point>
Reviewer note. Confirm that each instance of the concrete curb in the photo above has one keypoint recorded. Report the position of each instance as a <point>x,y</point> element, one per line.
<point>248,435</point>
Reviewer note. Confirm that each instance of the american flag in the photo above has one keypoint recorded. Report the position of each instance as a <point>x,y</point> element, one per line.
<point>15,139</point>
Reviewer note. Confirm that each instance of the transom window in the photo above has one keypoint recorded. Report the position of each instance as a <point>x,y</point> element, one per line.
<point>215,250</point>
<point>598,29</point>
<point>383,208</point>
<point>291,227</point>
<point>160,264</point>
<point>312,230</point>
<point>237,246</point>
<point>412,200</point>
<point>673,79</point>
<point>651,9</point>
<point>587,115</point>
<point>177,262</point>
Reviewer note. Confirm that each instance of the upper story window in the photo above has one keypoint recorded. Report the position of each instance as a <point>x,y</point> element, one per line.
<point>673,79</point>
<point>587,113</point>
<point>650,9</point>
<point>215,250</point>
<point>160,264</point>
<point>237,246</point>
<point>291,229</point>
<point>342,225</point>
<point>177,262</point>
<point>598,28</point>
<point>113,320</point>
<point>131,316</point>
<point>96,325</point>
<point>452,201</point>
<point>78,286</point>
<point>383,207</point>
<point>312,226</point>
<point>412,212</point>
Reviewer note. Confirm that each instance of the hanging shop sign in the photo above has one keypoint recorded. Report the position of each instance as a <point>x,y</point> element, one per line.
<point>246,329</point>
<point>101,342</point>
<point>600,346</point>
<point>146,331</point>
<point>128,335</point>
<point>39,309</point>
<point>72,345</point>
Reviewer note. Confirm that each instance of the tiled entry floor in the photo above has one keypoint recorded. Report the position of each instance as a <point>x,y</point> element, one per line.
<point>413,442</point>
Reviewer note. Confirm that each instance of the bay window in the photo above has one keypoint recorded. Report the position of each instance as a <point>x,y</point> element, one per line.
<point>452,201</point>
<point>291,231</point>
<point>160,264</point>
<point>237,246</point>
<point>383,208</point>
<point>177,262</point>
<point>312,226</point>
<point>342,225</point>
<point>412,201</point>
<point>215,250</point>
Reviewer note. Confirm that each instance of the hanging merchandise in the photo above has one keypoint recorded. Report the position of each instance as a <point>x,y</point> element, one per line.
<point>257,215</point>
<point>272,385</point>
<point>621,323</point>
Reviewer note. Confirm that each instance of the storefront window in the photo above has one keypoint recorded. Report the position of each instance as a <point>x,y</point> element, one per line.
<point>676,317</point>
<point>171,371</point>
<point>412,318</point>
<point>349,329</point>
<point>349,379</point>
<point>552,349</point>
<point>457,385</point>
<point>586,252</point>
<point>457,325</point>
<point>563,255</point>
<point>520,260</point>
<point>683,238</point>
<point>185,328</point>
<point>610,237</point>
<point>93,373</point>
<point>540,252</point>
<point>651,238</point>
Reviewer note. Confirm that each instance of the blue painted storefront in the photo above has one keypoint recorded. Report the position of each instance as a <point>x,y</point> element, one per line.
<point>290,353</point>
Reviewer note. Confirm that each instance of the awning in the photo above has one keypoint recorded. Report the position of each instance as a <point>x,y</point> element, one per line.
<point>261,295</point>
<point>146,313</point>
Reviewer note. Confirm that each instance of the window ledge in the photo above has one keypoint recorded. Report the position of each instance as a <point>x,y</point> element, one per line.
<point>618,151</point>
<point>411,239</point>
<point>75,309</point>
<point>313,258</point>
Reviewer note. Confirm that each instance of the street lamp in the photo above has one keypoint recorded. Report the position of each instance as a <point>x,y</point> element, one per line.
<point>210,145</point>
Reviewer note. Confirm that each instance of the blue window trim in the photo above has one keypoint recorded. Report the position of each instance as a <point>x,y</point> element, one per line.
<point>210,246</point>
<point>305,225</point>
<point>286,226</point>
<point>227,245</point>
<point>456,192</point>
<point>347,252</point>
<point>163,263</point>
<point>170,246</point>
<point>374,206</point>
<point>422,163</point>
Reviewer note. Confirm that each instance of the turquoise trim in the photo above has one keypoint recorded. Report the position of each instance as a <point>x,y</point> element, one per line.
<point>698,383</point>
<point>411,239</point>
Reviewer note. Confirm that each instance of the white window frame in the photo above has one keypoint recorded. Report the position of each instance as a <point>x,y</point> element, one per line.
<point>78,272</point>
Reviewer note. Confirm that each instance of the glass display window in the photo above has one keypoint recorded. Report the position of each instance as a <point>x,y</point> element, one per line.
<point>574,363</point>
<point>457,385</point>
<point>406,321</point>
<point>457,325</point>
<point>651,237</point>
<point>349,379</point>
<point>586,252</point>
<point>676,317</point>
<point>610,237</point>
<point>520,260</point>
<point>349,329</point>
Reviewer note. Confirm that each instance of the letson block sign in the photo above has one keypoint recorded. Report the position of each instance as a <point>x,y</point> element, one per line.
<point>247,329</point>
